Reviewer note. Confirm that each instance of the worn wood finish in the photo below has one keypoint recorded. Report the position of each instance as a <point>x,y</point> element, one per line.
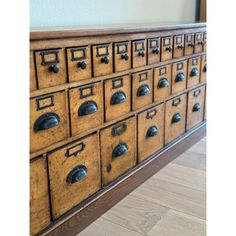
<point>55,103</point>
<point>148,144</point>
<point>64,194</point>
<point>198,45</point>
<point>112,87</point>
<point>33,83</point>
<point>139,53</point>
<point>122,133</point>
<point>193,77</point>
<point>179,68</point>
<point>39,200</point>
<point>178,46</point>
<point>166,48</point>
<point>141,80</point>
<point>80,98</point>
<point>154,50</point>
<point>203,69</point>
<point>204,41</point>
<point>188,44</point>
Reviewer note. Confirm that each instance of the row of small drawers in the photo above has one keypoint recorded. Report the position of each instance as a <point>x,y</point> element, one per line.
<point>74,170</point>
<point>115,97</point>
<point>83,63</point>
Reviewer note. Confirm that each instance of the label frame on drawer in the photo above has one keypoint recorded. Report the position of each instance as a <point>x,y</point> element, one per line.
<point>76,49</point>
<point>102,46</point>
<point>118,44</point>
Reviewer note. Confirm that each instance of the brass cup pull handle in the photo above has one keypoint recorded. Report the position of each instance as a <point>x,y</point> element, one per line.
<point>118,98</point>
<point>176,118</point>
<point>141,54</point>
<point>169,48</point>
<point>143,90</point>
<point>125,57</point>
<point>105,60</point>
<point>152,131</point>
<point>197,107</point>
<point>54,68</point>
<point>120,150</point>
<point>156,50</point>
<point>82,65</point>
<point>163,83</point>
<point>77,174</point>
<point>180,77</point>
<point>194,72</point>
<point>180,47</point>
<point>87,108</point>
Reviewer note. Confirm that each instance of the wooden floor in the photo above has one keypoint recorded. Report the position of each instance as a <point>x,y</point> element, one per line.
<point>171,203</point>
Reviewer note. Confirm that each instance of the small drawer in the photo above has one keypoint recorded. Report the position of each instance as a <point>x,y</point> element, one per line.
<point>86,107</point>
<point>139,53</point>
<point>204,41</point>
<point>142,83</point>
<point>154,51</point>
<point>178,46</point>
<point>102,60</point>
<point>117,97</point>
<point>162,82</point>
<point>188,44</point>
<point>33,84</point>
<point>198,45</point>
<point>74,174</point>
<point>175,118</point>
<point>48,120</point>
<point>203,69</point>
<point>39,196</point>
<point>179,76</point>
<point>118,149</point>
<point>51,67</point>
<point>193,71</point>
<point>79,63</point>
<point>122,56</point>
<point>166,48</point>
<point>150,131</point>
<point>195,110</point>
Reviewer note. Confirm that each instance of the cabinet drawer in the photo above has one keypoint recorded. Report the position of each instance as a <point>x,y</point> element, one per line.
<point>79,63</point>
<point>139,53</point>
<point>142,83</point>
<point>150,132</point>
<point>203,69</point>
<point>122,56</point>
<point>86,107</point>
<point>39,200</point>
<point>178,46</point>
<point>198,45</point>
<point>195,110</point>
<point>193,71</point>
<point>175,118</point>
<point>188,44</point>
<point>102,60</point>
<point>33,84</point>
<point>74,174</point>
<point>118,149</point>
<point>179,76</point>
<point>166,48</point>
<point>51,67</point>
<point>204,41</point>
<point>48,120</point>
<point>117,97</point>
<point>154,51</point>
<point>162,82</point>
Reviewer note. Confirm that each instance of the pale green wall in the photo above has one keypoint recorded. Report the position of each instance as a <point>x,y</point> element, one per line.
<point>92,12</point>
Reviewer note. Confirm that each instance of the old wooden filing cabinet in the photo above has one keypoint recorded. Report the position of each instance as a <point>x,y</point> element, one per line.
<point>108,109</point>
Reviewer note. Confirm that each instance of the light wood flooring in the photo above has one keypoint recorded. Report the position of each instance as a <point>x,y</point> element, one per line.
<point>171,203</point>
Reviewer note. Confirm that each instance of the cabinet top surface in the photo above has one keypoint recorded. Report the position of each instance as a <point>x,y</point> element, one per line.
<point>43,33</point>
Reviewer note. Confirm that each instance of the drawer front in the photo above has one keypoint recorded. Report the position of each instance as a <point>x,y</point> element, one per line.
<point>74,174</point>
<point>33,85</point>
<point>39,200</point>
<point>175,118</point>
<point>154,50</point>
<point>179,76</point>
<point>150,131</point>
<point>204,41</point>
<point>203,69</point>
<point>102,60</point>
<point>166,48</point>
<point>48,120</point>
<point>198,45</point>
<point>117,97</point>
<point>193,71</point>
<point>51,67</point>
<point>162,82</point>
<point>122,56</point>
<point>188,44</point>
<point>178,46</point>
<point>118,149</point>
<point>142,83</point>
<point>195,112</point>
<point>86,108</point>
<point>79,63</point>
<point>139,53</point>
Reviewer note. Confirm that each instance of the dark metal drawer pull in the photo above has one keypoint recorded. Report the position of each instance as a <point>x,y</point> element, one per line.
<point>46,121</point>
<point>197,107</point>
<point>191,45</point>
<point>77,174</point>
<point>118,129</point>
<point>194,72</point>
<point>180,47</point>
<point>152,131</point>
<point>125,57</point>
<point>105,60</point>
<point>82,65</point>
<point>120,150</point>
<point>176,118</point>
<point>143,90</point>
<point>169,49</point>
<point>197,93</point>
<point>118,98</point>
<point>141,54</point>
<point>200,43</point>
<point>179,77</point>
<point>156,50</point>
<point>205,68</point>
<point>163,83</point>
<point>53,68</point>
<point>87,108</point>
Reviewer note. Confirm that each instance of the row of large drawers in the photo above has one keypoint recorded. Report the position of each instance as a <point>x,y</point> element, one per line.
<point>59,115</point>
<point>79,169</point>
<point>50,67</point>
